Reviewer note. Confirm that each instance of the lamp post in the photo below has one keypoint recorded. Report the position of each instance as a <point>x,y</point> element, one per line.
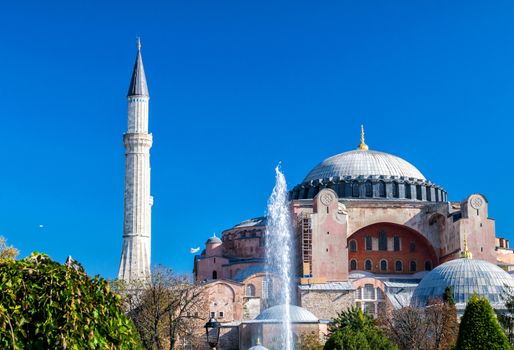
<point>212,332</point>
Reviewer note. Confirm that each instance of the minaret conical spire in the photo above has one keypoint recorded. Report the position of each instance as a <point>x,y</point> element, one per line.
<point>138,85</point>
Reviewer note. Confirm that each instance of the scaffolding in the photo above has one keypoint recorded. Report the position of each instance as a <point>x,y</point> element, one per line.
<point>305,233</point>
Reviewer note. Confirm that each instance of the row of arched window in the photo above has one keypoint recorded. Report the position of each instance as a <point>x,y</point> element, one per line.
<point>398,265</point>
<point>382,243</point>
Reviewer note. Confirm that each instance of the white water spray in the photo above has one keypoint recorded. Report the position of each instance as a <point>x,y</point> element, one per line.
<point>279,246</point>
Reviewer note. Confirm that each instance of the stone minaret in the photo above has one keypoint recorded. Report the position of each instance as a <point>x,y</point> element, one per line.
<point>135,255</point>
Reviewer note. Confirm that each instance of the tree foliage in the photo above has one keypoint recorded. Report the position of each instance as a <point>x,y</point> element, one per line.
<point>46,305</point>
<point>166,310</point>
<point>6,251</point>
<point>479,329</point>
<point>310,341</point>
<point>354,330</point>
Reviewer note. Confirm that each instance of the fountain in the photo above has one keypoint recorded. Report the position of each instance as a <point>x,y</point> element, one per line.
<point>279,246</point>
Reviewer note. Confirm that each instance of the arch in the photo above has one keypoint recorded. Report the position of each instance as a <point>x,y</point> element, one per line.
<point>413,266</point>
<point>214,275</point>
<point>383,265</point>
<point>381,189</point>
<point>368,265</point>
<point>353,265</point>
<point>353,245</point>
<point>428,265</point>
<point>408,191</point>
<point>369,242</point>
<point>396,244</point>
<point>382,240</point>
<point>250,290</point>
<point>418,192</point>
<point>369,188</point>
<point>398,266</point>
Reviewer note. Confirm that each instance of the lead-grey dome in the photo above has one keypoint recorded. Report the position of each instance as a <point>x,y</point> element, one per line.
<point>361,162</point>
<point>466,276</point>
<point>277,313</point>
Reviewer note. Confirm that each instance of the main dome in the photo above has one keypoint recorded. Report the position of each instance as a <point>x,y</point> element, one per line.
<point>362,162</point>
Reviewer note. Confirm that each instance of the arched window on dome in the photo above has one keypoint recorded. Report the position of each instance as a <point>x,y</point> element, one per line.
<point>369,189</point>
<point>383,265</point>
<point>353,265</point>
<point>428,265</point>
<point>382,240</point>
<point>396,190</point>
<point>429,194</point>
<point>418,192</point>
<point>413,266</point>
<point>368,265</point>
<point>408,193</point>
<point>396,243</point>
<point>250,290</point>
<point>355,189</point>
<point>369,243</point>
<point>381,189</point>
<point>398,266</point>
<point>353,245</point>
<point>214,275</point>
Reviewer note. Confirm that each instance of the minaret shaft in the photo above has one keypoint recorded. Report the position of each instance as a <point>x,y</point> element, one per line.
<point>137,225</point>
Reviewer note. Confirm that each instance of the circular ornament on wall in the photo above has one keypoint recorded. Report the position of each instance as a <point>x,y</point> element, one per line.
<point>326,198</point>
<point>476,202</point>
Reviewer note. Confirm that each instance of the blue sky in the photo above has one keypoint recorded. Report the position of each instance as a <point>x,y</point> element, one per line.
<point>236,87</point>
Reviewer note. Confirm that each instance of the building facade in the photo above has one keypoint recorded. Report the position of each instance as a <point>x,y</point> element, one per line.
<point>368,225</point>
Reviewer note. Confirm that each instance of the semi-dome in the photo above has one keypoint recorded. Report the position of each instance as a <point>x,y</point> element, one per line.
<point>465,276</point>
<point>278,312</point>
<point>214,240</point>
<point>361,162</point>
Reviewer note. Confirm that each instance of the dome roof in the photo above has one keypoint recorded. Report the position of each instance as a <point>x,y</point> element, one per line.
<point>214,240</point>
<point>277,313</point>
<point>466,276</point>
<point>362,162</point>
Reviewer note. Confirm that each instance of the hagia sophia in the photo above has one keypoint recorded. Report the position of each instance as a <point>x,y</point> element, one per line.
<point>370,228</point>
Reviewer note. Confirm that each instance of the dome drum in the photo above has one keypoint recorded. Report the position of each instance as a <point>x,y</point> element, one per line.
<point>373,187</point>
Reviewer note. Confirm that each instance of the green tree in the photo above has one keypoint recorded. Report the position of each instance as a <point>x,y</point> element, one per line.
<point>46,305</point>
<point>479,329</point>
<point>352,329</point>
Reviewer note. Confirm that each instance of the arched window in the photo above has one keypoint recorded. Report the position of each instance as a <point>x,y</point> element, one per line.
<point>382,240</point>
<point>369,243</point>
<point>381,189</point>
<point>369,189</point>
<point>429,194</point>
<point>383,265</point>
<point>355,189</point>
<point>368,265</point>
<point>250,290</point>
<point>396,190</point>
<point>408,193</point>
<point>214,275</point>
<point>396,243</point>
<point>353,264</point>
<point>412,247</point>
<point>413,266</point>
<point>398,266</point>
<point>418,192</point>
<point>353,245</point>
<point>428,265</point>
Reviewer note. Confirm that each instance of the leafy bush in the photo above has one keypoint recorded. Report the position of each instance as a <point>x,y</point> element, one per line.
<point>354,330</point>
<point>46,305</point>
<point>479,329</point>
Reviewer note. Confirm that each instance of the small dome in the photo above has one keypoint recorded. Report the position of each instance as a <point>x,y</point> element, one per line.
<point>466,276</point>
<point>260,221</point>
<point>277,313</point>
<point>214,240</point>
<point>258,347</point>
<point>362,162</point>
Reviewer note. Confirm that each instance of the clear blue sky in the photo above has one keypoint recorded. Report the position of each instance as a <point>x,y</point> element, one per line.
<point>236,87</point>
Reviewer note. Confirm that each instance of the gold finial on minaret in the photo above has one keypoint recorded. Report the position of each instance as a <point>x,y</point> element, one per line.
<point>138,43</point>
<point>362,145</point>
<point>466,253</point>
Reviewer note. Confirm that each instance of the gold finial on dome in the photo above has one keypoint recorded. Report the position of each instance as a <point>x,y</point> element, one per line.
<point>363,145</point>
<point>466,253</point>
<point>138,43</point>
